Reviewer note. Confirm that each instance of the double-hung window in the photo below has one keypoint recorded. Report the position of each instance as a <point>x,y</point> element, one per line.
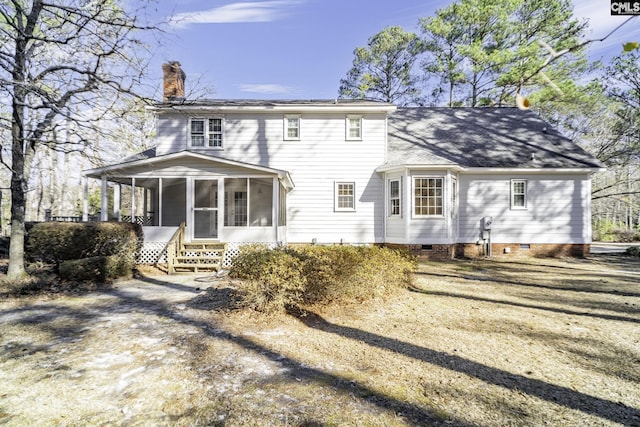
<point>354,128</point>
<point>206,133</point>
<point>428,196</point>
<point>518,194</point>
<point>345,196</point>
<point>292,127</point>
<point>394,197</point>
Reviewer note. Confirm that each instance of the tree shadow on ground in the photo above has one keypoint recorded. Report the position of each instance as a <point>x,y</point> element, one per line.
<point>613,411</point>
<point>533,306</point>
<point>296,370</point>
<point>118,301</point>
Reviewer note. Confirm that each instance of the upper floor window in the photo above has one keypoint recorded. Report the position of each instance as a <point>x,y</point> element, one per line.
<point>394,197</point>
<point>345,196</point>
<point>428,196</point>
<point>354,127</point>
<point>292,127</point>
<point>206,133</point>
<point>518,194</point>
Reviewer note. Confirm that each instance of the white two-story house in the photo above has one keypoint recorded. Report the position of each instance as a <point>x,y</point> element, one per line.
<point>439,181</point>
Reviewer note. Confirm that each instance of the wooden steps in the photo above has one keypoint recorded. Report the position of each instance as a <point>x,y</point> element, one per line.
<point>198,257</point>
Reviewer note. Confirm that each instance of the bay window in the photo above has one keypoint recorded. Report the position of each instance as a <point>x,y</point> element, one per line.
<point>428,196</point>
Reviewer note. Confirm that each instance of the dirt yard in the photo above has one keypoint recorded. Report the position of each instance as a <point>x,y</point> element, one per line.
<point>518,342</point>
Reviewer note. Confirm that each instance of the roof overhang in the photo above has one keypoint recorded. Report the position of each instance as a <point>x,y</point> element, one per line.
<point>533,171</point>
<point>409,166</point>
<point>121,169</point>
<point>484,171</point>
<point>350,108</point>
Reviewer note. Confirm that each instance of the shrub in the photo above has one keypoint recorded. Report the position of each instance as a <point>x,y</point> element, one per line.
<point>633,251</point>
<point>319,274</point>
<point>626,236</point>
<point>271,279</point>
<point>97,268</point>
<point>353,273</point>
<point>55,242</point>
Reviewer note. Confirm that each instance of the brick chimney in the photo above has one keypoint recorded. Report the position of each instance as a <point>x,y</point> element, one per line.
<point>173,78</point>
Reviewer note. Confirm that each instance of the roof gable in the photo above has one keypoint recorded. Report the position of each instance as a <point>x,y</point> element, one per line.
<point>144,163</point>
<point>480,137</point>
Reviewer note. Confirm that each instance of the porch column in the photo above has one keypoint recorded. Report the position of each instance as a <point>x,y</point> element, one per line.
<point>117,191</point>
<point>160,202</point>
<point>221,211</point>
<point>85,199</point>
<point>133,199</point>
<point>145,204</point>
<point>104,200</point>
<point>275,205</point>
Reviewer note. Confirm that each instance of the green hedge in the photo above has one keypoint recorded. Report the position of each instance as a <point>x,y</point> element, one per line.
<point>54,242</point>
<point>84,251</point>
<point>272,280</point>
<point>97,268</point>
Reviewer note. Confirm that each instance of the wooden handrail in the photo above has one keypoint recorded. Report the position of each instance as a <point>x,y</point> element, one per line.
<point>174,246</point>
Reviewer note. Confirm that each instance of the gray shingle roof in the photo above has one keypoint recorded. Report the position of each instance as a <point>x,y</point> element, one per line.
<point>480,137</point>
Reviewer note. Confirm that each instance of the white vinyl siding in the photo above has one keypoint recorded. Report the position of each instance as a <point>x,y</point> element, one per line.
<point>558,209</point>
<point>315,162</point>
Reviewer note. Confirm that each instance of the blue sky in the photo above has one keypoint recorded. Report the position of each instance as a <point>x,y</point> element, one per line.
<point>300,49</point>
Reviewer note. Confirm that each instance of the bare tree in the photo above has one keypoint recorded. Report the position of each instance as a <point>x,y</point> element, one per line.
<point>57,54</point>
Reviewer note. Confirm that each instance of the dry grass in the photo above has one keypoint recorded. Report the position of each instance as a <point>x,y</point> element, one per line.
<point>474,343</point>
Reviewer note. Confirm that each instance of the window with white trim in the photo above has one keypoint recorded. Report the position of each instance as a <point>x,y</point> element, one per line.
<point>394,197</point>
<point>206,133</point>
<point>345,196</point>
<point>518,194</point>
<point>354,128</point>
<point>428,196</point>
<point>292,127</point>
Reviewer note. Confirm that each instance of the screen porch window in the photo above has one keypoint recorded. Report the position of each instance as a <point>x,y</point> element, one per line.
<point>248,202</point>
<point>428,196</point>
<point>518,194</point>
<point>354,127</point>
<point>345,196</point>
<point>394,197</point>
<point>292,127</point>
<point>206,133</point>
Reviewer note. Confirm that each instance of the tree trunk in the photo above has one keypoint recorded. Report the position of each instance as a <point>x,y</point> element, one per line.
<point>19,145</point>
<point>18,203</point>
<point>18,182</point>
